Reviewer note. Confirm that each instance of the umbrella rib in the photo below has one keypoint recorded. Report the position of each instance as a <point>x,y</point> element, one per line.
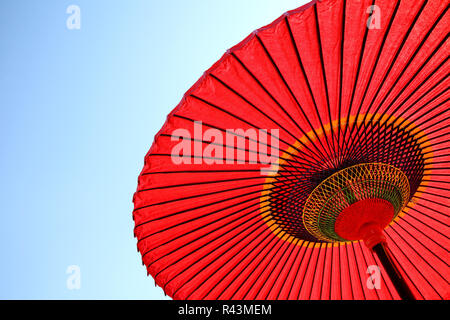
<point>204,171</point>
<point>258,225</point>
<point>426,199</point>
<point>400,267</point>
<point>278,231</point>
<point>439,188</point>
<point>359,271</point>
<point>214,181</point>
<point>221,144</point>
<point>297,240</point>
<point>301,264</point>
<point>311,287</point>
<point>274,265</point>
<point>406,64</point>
<point>325,80</point>
<point>438,137</point>
<point>251,214</point>
<point>425,248</point>
<point>376,151</point>
<point>428,225</point>
<point>203,206</point>
<point>404,100</point>
<point>430,75</point>
<point>375,131</point>
<point>424,94</point>
<point>402,90</point>
<point>394,60</point>
<point>208,214</point>
<point>438,174</point>
<point>348,270</point>
<point>307,265</point>
<point>198,183</point>
<point>422,205</point>
<point>273,98</point>
<point>443,103</point>
<point>322,282</point>
<point>283,167</point>
<point>371,148</point>
<point>331,271</point>
<point>434,157</point>
<point>290,91</point>
<point>341,292</point>
<point>205,194</point>
<point>407,257</point>
<point>380,265</point>
<point>258,170</point>
<point>413,122</point>
<point>440,113</point>
<point>247,122</point>
<point>270,118</point>
<point>435,131</point>
<point>358,70</point>
<point>431,144</point>
<point>198,207</point>
<point>379,51</point>
<point>301,250</point>
<point>263,258</point>
<point>291,173</point>
<point>205,215</point>
<point>341,72</point>
<point>308,84</point>
<point>365,267</point>
<point>293,157</point>
<point>433,194</point>
<point>371,129</point>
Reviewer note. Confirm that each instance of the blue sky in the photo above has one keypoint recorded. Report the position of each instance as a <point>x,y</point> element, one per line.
<point>78,111</point>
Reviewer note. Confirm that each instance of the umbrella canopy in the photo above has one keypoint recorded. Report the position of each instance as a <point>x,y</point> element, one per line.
<point>316,139</point>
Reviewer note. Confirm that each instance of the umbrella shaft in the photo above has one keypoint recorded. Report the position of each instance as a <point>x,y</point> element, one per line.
<point>397,280</point>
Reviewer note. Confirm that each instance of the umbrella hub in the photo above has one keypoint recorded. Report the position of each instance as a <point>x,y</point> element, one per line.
<point>365,220</point>
<point>356,203</point>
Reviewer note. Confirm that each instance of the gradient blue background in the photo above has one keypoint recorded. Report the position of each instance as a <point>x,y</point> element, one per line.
<point>78,112</point>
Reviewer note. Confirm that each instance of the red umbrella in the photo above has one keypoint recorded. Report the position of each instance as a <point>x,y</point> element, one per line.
<point>309,162</point>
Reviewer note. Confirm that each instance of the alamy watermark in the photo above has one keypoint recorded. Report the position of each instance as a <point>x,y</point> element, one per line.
<point>234,146</point>
<point>374,21</point>
<point>374,280</point>
<point>73,22</point>
<point>73,281</point>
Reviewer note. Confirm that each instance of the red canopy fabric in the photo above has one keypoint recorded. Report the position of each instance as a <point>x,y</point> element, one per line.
<point>335,88</point>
